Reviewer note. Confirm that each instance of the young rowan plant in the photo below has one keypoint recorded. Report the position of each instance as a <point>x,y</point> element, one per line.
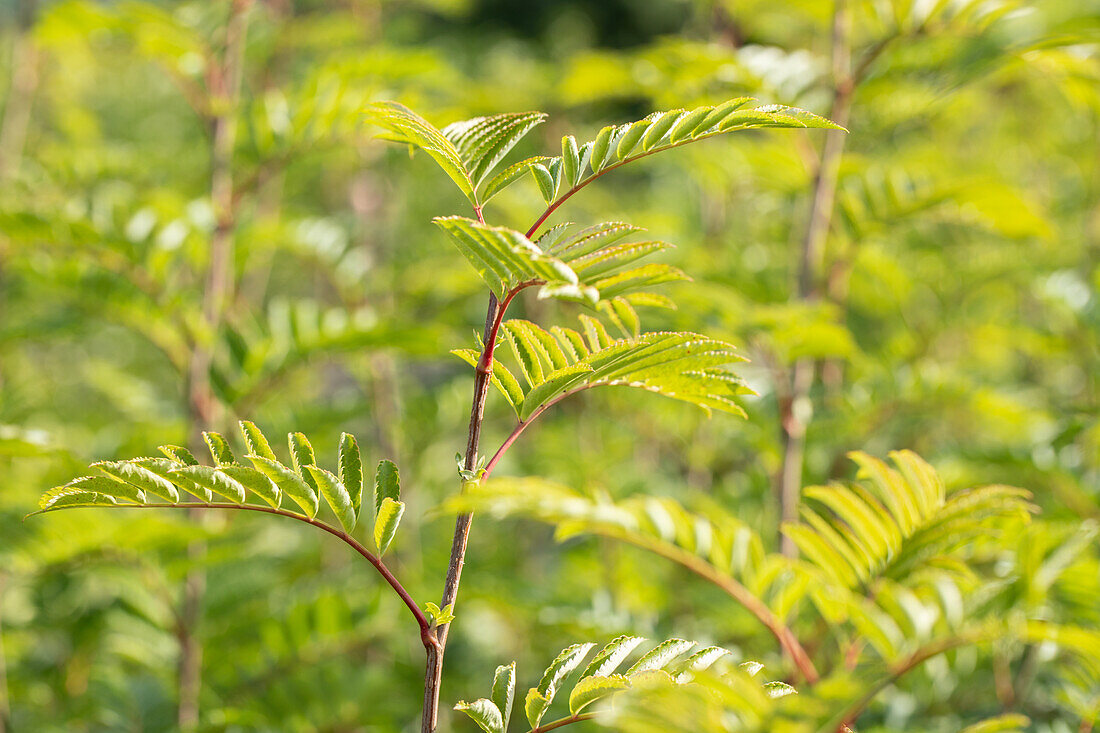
<point>882,564</point>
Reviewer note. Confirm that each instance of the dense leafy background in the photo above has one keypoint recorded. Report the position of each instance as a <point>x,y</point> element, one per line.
<point>963,322</point>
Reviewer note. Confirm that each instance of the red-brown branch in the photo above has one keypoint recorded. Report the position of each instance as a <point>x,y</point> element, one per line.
<point>387,575</point>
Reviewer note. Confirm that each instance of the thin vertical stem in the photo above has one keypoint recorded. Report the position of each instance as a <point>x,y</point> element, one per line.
<point>225,82</point>
<point>434,666</point>
<point>24,82</point>
<point>5,707</point>
<point>797,409</point>
<point>205,411</point>
<point>13,133</point>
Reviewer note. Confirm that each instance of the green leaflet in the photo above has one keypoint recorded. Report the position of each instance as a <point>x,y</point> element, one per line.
<point>525,352</point>
<point>351,470</point>
<point>859,517</point>
<point>214,481</point>
<point>838,556</point>
<point>625,317</point>
<point>138,480</point>
<point>106,486</point>
<point>651,300</point>
<point>593,689</point>
<point>336,494</point>
<point>822,554</point>
<point>256,482</point>
<point>661,125</point>
<point>549,240</point>
<point>557,383</point>
<point>570,160</point>
<point>504,690</point>
<point>699,661</point>
<point>385,524</point>
<point>776,689</point>
<point>599,262</point>
<point>301,456</point>
<point>630,138</point>
<point>894,521</point>
<point>685,126</point>
<point>910,501</point>
<point>406,126</point>
<point>684,366</point>
<point>736,549</point>
<point>571,342</point>
<point>493,715</point>
<point>219,449</point>
<point>439,616</point>
<point>618,144</point>
<point>1007,723</point>
<point>539,698</point>
<point>594,331</point>
<point>165,468</point>
<point>484,713</point>
<point>178,454</point>
<point>611,260</point>
<point>599,679</point>
<point>575,245</point>
<point>574,293</point>
<point>387,484</point>
<point>660,656</point>
<point>637,278</point>
<point>508,176</point>
<point>466,151</point>
<point>721,112</point>
<point>289,483</point>
<point>506,259</point>
<point>545,345</point>
<point>255,442</point>
<point>482,142</point>
<point>69,496</point>
<point>611,656</point>
<point>600,147</point>
<point>140,477</point>
<point>534,706</point>
<point>773,115</point>
<point>585,161</point>
<point>545,181</point>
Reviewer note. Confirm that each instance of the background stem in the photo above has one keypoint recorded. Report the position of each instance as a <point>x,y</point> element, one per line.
<point>24,82</point>
<point>796,411</point>
<point>205,411</point>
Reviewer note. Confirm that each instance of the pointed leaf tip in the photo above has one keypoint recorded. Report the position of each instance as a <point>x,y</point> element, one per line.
<point>255,441</point>
<point>539,698</point>
<point>289,483</point>
<point>504,690</point>
<point>387,484</point>
<point>351,470</point>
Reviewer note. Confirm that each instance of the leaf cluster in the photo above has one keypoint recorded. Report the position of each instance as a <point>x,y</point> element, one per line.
<point>267,483</point>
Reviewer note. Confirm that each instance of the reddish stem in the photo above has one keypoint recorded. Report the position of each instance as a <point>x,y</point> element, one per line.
<point>485,363</point>
<point>914,660</point>
<point>522,425</point>
<point>421,619</point>
<point>568,194</point>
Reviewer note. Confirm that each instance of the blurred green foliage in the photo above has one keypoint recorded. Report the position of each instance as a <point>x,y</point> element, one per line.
<point>961,320</point>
